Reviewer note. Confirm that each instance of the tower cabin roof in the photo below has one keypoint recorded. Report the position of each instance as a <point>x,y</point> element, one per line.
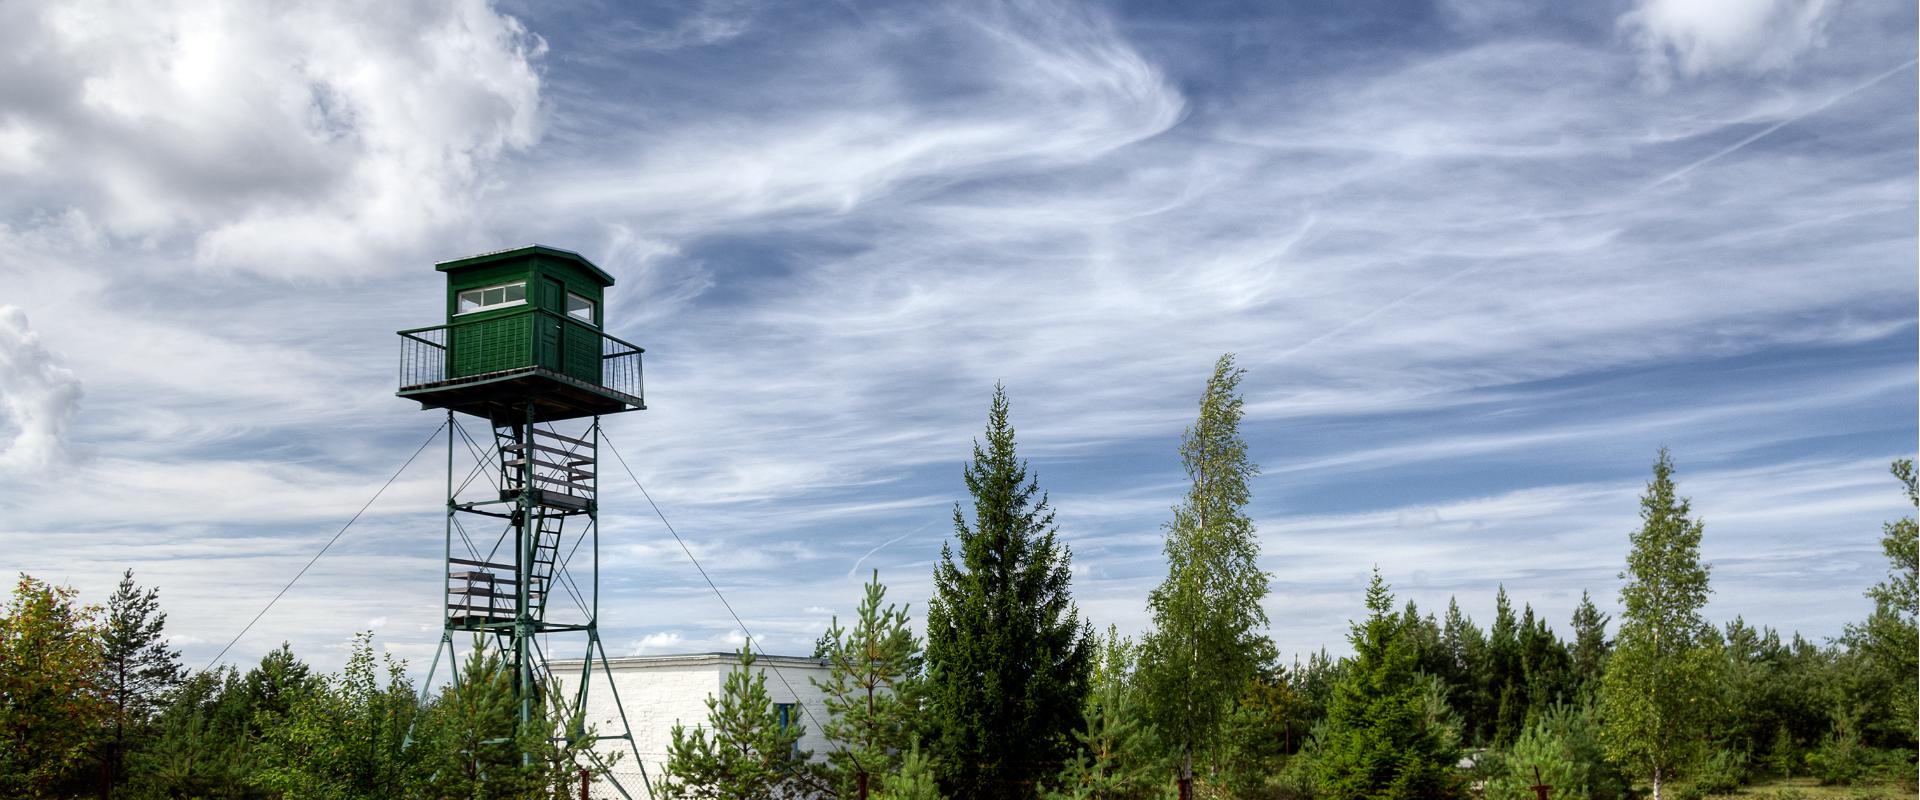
<point>524,251</point>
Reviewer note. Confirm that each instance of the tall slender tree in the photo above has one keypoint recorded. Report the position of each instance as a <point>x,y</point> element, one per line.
<point>1657,694</point>
<point>1007,654</point>
<point>1207,639</point>
<point>138,668</point>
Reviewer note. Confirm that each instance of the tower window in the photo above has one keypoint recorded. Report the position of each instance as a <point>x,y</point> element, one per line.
<point>506,294</point>
<point>579,308</point>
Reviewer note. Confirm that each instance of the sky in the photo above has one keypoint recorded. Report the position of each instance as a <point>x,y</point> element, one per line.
<point>1481,259</point>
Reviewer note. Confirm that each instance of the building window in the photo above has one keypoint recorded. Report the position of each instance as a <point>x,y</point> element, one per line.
<point>787,713</point>
<point>506,294</point>
<point>579,308</point>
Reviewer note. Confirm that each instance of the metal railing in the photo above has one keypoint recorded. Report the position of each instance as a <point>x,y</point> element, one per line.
<point>532,339</point>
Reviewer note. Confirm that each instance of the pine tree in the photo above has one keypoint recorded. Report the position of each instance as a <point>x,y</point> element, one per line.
<point>1380,742</point>
<point>138,669</point>
<point>745,752</point>
<point>1116,759</point>
<point>873,692</point>
<point>1206,642</point>
<point>470,744</point>
<point>1590,644</point>
<point>1007,655</point>
<point>1658,689</point>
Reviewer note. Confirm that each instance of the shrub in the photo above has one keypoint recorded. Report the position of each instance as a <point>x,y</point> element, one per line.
<point>1838,760</point>
<point>1722,772</point>
<point>1561,743</point>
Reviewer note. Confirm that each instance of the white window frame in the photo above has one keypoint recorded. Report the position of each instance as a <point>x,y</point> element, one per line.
<point>482,291</point>
<point>591,307</point>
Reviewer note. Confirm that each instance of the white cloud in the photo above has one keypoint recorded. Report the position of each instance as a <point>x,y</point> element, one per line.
<point>38,396</point>
<point>306,138</point>
<point>1695,37</point>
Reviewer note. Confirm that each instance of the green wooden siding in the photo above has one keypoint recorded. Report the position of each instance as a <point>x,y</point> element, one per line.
<point>490,345</point>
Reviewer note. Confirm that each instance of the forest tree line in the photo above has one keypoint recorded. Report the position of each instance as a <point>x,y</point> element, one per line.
<point>1011,693</point>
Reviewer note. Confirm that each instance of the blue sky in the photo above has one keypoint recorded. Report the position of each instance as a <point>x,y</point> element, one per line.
<point>1480,259</point>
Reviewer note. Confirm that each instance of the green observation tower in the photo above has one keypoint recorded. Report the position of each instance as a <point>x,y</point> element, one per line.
<point>524,350</point>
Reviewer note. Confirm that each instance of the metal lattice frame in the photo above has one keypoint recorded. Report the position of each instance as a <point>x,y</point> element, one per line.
<point>542,493</point>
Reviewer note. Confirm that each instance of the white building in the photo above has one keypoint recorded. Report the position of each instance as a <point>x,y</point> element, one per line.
<point>658,691</point>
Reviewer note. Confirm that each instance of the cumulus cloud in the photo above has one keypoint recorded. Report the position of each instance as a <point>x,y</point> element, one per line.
<point>312,137</point>
<point>38,396</point>
<point>1694,37</point>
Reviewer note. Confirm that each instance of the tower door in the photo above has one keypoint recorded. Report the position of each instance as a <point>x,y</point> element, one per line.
<point>549,330</point>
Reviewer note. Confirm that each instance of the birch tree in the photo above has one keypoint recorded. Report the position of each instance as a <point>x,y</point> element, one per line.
<point>1206,642</point>
<point>1657,693</point>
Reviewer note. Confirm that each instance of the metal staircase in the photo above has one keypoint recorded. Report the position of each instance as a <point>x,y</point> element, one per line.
<point>545,478</point>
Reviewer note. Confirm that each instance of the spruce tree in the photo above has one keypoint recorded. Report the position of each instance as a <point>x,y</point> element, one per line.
<point>1380,742</point>
<point>1502,680</point>
<point>1466,649</point>
<point>873,692</point>
<point>1007,655</point>
<point>1658,691</point>
<point>1206,642</point>
<point>1590,644</point>
<point>138,669</point>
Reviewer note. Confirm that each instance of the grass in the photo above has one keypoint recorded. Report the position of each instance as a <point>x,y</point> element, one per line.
<point>1810,789</point>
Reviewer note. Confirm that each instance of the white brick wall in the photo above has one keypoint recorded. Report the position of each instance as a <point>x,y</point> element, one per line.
<point>657,691</point>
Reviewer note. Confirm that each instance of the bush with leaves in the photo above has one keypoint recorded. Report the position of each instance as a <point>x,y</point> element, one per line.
<point>345,736</point>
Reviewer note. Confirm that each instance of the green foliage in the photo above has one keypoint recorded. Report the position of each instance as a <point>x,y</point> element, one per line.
<point>1658,694</point>
<point>1840,759</point>
<point>1464,663</point>
<point>1564,746</point>
<point>873,693</point>
<point>1721,772</point>
<point>343,737</point>
<point>1888,642</point>
<point>1379,743</point>
<point>137,669</point>
<point>1116,758</point>
<point>744,753</point>
<point>52,703</point>
<point>1206,641</point>
<point>469,742</point>
<point>1590,645</point>
<point>915,779</point>
<point>202,744</point>
<point>1007,654</point>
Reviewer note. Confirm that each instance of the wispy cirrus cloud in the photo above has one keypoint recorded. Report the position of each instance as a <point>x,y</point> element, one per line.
<point>1478,277</point>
